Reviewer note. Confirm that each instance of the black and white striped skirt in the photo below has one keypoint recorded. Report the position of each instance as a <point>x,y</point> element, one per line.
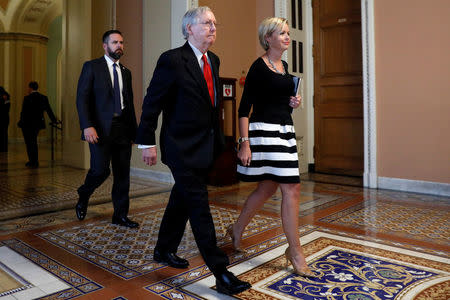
<point>274,154</point>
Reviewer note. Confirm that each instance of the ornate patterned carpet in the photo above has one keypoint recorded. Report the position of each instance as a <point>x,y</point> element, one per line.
<point>346,268</point>
<point>129,253</point>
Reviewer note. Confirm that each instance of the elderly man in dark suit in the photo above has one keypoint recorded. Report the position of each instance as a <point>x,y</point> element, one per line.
<point>184,88</point>
<point>108,123</point>
<point>32,120</point>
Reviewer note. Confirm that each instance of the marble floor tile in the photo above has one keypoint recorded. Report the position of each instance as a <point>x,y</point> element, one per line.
<point>362,243</point>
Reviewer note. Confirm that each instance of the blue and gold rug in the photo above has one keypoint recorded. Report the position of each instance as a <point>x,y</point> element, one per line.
<point>346,268</point>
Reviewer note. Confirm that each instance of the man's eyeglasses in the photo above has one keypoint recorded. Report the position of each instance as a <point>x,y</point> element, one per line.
<point>209,23</point>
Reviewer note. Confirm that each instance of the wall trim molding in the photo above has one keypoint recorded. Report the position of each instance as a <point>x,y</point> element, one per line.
<point>280,7</point>
<point>192,4</point>
<point>159,176</point>
<point>25,37</point>
<point>415,186</point>
<point>178,9</point>
<point>369,94</point>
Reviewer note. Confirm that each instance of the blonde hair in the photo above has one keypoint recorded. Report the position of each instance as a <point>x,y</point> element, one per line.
<point>267,27</point>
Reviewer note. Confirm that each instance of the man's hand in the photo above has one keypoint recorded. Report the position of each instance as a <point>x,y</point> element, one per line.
<point>149,156</point>
<point>90,135</point>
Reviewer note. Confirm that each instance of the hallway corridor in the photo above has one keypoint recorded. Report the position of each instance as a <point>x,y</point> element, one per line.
<point>361,243</point>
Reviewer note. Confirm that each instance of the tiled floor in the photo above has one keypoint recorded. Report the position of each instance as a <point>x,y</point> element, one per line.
<point>361,243</point>
<point>52,186</point>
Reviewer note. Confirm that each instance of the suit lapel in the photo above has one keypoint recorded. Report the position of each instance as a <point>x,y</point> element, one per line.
<point>107,76</point>
<point>193,68</point>
<point>124,83</point>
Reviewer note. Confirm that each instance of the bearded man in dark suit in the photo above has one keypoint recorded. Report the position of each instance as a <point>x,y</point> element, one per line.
<point>108,123</point>
<point>32,121</point>
<point>184,88</point>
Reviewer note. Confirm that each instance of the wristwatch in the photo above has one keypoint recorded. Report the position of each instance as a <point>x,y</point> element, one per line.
<point>242,139</point>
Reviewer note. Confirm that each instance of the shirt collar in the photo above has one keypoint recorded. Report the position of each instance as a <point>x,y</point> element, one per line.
<point>197,52</point>
<point>109,61</point>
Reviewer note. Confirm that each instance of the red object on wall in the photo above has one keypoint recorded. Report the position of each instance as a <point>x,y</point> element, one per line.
<point>242,80</point>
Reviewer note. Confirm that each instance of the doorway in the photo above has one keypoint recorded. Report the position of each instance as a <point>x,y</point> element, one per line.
<point>338,88</point>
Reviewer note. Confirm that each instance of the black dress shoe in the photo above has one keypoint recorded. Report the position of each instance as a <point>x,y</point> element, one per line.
<point>124,221</point>
<point>171,259</point>
<point>227,283</point>
<point>81,210</point>
<point>32,165</point>
<point>81,207</point>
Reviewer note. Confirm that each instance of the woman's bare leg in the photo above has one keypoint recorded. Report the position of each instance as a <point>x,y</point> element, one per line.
<point>254,202</point>
<point>289,217</point>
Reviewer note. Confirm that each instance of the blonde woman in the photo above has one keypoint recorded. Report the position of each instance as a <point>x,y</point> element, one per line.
<point>268,150</point>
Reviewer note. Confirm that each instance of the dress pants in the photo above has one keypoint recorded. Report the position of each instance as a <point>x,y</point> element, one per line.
<point>114,150</point>
<point>3,137</point>
<point>30,135</point>
<point>189,201</point>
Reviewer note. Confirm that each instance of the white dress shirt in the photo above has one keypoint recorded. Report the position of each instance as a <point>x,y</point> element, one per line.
<point>110,63</point>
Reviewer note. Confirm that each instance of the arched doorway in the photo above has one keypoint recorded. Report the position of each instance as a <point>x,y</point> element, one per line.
<point>30,43</point>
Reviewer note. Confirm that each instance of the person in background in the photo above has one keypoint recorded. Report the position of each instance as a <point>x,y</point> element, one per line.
<point>268,150</point>
<point>32,121</point>
<point>184,89</point>
<point>108,123</point>
<point>5,106</point>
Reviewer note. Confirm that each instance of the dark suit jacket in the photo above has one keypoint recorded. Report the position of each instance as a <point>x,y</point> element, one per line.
<point>95,98</point>
<point>5,106</point>
<point>32,114</point>
<point>190,131</point>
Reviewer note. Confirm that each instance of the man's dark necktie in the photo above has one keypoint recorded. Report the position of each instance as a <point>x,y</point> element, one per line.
<point>117,104</point>
<point>208,77</point>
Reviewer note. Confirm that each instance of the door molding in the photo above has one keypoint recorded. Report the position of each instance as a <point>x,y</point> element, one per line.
<point>370,178</point>
<point>280,9</point>
<point>369,93</point>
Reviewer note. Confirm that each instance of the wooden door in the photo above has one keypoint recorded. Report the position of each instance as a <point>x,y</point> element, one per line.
<point>338,93</point>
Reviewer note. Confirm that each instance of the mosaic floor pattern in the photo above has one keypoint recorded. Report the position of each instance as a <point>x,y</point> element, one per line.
<point>417,222</point>
<point>39,275</point>
<point>24,191</point>
<point>356,248</point>
<point>129,253</point>
<point>310,201</point>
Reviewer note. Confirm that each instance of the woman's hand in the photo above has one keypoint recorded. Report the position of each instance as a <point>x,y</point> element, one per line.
<point>245,154</point>
<point>295,101</point>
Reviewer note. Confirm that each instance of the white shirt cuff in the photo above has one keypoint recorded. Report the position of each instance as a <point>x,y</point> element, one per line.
<point>145,146</point>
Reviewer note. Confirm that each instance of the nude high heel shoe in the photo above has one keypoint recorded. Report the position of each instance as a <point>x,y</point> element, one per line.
<point>304,271</point>
<point>234,240</point>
